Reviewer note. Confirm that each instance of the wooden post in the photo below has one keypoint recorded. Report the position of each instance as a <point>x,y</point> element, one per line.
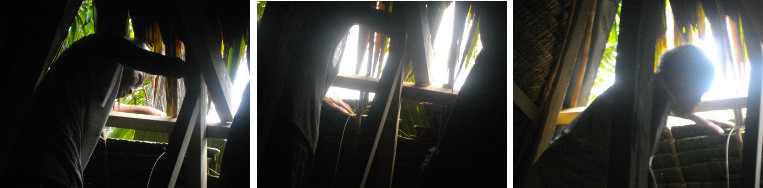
<point>525,104</point>
<point>384,166</point>
<point>197,150</point>
<point>751,167</point>
<point>372,130</point>
<point>422,51</point>
<point>180,137</point>
<point>629,141</point>
<point>202,42</point>
<point>583,58</point>
<point>605,16</point>
<point>381,108</point>
<point>571,51</point>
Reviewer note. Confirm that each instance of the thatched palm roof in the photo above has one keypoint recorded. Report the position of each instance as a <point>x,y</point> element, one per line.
<point>539,31</point>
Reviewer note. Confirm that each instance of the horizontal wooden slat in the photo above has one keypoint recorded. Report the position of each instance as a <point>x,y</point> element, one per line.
<point>410,90</point>
<point>732,103</point>
<point>567,115</point>
<point>159,124</point>
<point>525,104</point>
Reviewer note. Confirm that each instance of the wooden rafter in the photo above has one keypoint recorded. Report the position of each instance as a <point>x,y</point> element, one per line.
<point>571,51</point>
<point>751,161</point>
<point>525,104</point>
<point>373,131</point>
<point>197,148</point>
<point>180,137</point>
<point>162,124</point>
<point>583,58</point>
<point>605,16</point>
<point>202,42</point>
<point>634,70</point>
<point>421,43</point>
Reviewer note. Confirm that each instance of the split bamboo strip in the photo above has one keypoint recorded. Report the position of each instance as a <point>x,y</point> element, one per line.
<point>584,58</point>
<point>675,156</point>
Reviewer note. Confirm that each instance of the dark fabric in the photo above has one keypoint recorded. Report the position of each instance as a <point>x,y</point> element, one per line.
<point>235,165</point>
<point>28,180</point>
<point>23,52</point>
<point>286,160</point>
<point>579,157</point>
<point>473,148</point>
<point>298,44</point>
<point>71,104</point>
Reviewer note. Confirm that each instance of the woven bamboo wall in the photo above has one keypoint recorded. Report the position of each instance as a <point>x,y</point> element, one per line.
<point>702,158</point>
<point>126,163</point>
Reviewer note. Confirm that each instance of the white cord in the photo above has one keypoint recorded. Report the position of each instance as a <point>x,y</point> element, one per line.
<point>728,175</point>
<point>339,152</point>
<point>152,169</point>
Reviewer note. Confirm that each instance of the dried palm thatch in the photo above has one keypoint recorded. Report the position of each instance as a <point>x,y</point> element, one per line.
<point>541,26</point>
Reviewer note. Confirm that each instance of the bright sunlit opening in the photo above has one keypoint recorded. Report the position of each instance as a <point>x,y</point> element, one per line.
<point>438,74</point>
<point>239,84</point>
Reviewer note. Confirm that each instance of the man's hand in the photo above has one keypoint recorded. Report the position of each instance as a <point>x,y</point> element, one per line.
<point>715,125</point>
<point>338,104</point>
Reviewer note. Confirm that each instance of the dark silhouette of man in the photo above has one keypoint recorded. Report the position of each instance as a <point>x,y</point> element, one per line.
<point>70,106</point>
<point>579,157</point>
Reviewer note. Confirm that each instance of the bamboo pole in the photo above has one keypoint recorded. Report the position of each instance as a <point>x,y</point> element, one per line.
<point>584,58</point>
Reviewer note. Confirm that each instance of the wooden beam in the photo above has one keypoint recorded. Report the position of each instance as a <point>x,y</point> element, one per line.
<point>525,104</point>
<point>751,159</point>
<point>197,150</point>
<point>724,104</point>
<point>202,42</point>
<point>386,152</point>
<point>160,124</point>
<point>410,90</point>
<point>180,137</point>
<point>631,138</point>
<point>583,59</point>
<point>356,82</point>
<point>421,43</point>
<point>380,109</point>
<point>559,90</point>
<point>605,16</point>
<point>141,122</point>
<point>567,115</point>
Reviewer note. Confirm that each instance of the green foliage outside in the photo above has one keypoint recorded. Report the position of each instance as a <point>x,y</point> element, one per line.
<point>260,9</point>
<point>411,114</point>
<point>606,74</point>
<point>82,25</point>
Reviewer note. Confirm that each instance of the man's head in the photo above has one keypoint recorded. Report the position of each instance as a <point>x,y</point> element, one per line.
<point>131,79</point>
<point>687,74</point>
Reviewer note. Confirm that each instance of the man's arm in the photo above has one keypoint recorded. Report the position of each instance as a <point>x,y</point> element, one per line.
<point>124,52</point>
<point>137,109</point>
<point>712,124</point>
